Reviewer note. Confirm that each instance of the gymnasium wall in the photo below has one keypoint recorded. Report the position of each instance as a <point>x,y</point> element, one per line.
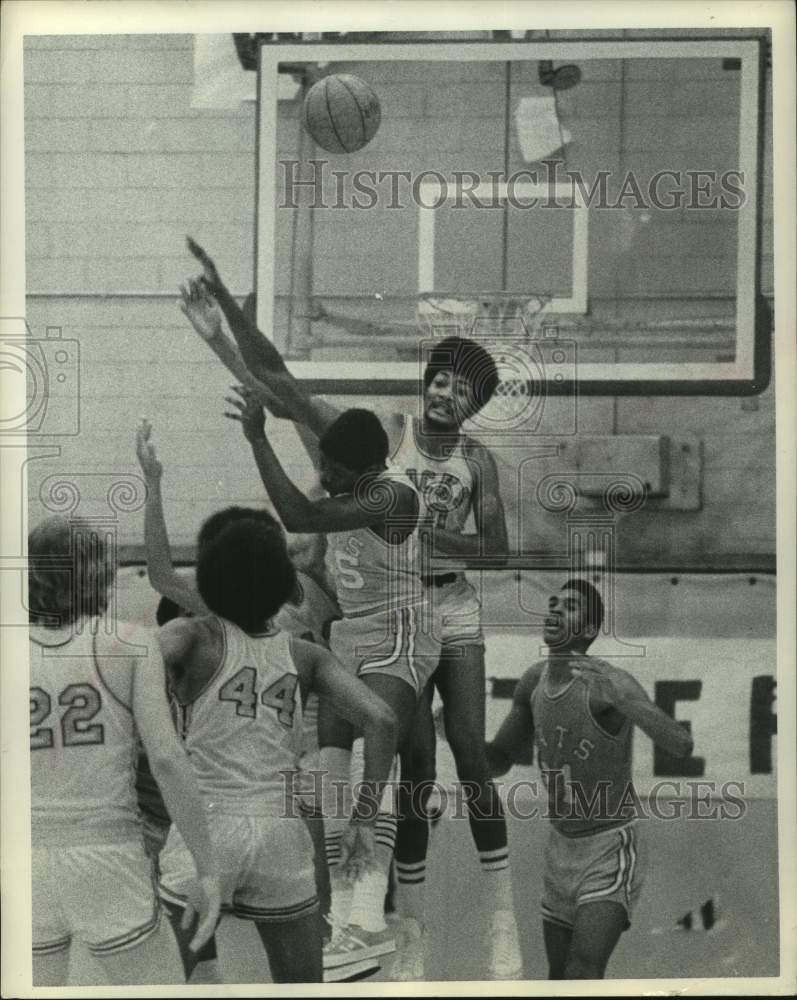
<point>120,168</point>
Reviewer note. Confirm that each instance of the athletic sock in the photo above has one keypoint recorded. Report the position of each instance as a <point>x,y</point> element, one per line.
<point>368,903</point>
<point>411,890</point>
<point>412,844</point>
<point>497,879</point>
<point>335,765</point>
<point>488,828</point>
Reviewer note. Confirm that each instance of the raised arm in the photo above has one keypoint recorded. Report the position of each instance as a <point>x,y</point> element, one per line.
<point>175,777</point>
<point>618,689</point>
<point>203,313</point>
<point>514,741</point>
<point>162,575</point>
<point>297,512</point>
<point>260,355</point>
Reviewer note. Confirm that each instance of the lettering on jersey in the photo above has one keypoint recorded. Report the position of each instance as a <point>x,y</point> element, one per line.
<point>346,561</point>
<point>441,492</point>
<point>281,695</point>
<point>583,749</point>
<point>40,708</point>
<point>82,701</point>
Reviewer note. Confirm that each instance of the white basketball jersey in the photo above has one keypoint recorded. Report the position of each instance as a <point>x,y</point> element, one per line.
<point>371,575</point>
<point>244,729</point>
<point>445,485</point>
<point>83,740</point>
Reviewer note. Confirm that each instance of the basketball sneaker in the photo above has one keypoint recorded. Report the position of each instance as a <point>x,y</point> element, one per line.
<point>505,958</point>
<point>408,965</point>
<point>352,944</point>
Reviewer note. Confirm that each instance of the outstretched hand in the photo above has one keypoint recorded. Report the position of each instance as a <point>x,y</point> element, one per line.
<point>201,310</point>
<point>248,412</point>
<point>210,274</point>
<point>145,450</point>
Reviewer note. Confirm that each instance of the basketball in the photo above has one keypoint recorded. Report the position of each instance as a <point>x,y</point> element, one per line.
<point>341,113</point>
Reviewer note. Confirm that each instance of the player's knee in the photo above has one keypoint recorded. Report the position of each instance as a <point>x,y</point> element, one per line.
<point>470,758</point>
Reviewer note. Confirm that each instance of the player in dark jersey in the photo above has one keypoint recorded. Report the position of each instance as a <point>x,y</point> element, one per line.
<point>580,711</point>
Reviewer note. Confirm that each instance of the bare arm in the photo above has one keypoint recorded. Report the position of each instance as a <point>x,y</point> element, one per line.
<point>321,672</point>
<point>619,689</point>
<point>296,511</point>
<point>202,312</point>
<point>260,355</point>
<point>175,777</point>
<point>162,575</point>
<point>514,741</point>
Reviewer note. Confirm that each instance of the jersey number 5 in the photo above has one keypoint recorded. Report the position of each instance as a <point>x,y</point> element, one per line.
<point>240,689</point>
<point>76,728</point>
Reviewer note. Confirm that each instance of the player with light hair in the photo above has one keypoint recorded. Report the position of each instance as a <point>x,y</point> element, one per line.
<point>94,690</point>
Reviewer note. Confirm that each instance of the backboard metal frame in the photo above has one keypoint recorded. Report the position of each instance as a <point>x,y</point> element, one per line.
<point>747,374</point>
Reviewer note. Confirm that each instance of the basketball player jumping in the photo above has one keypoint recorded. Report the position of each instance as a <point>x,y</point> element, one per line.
<point>580,712</point>
<point>372,518</point>
<point>91,696</point>
<point>457,477</point>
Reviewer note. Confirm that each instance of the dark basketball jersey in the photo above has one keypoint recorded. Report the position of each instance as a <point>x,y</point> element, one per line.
<point>587,770</point>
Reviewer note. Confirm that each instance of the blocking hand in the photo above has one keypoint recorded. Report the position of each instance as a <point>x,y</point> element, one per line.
<point>249,412</point>
<point>201,310</point>
<point>145,450</point>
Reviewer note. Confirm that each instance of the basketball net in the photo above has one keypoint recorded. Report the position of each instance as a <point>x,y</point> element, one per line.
<point>505,324</point>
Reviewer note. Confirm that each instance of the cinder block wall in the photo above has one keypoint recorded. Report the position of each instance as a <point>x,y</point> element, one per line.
<point>119,169</point>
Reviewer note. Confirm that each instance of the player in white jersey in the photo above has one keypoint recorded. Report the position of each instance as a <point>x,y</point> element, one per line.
<point>307,614</point>
<point>94,689</point>
<point>580,711</point>
<point>457,478</point>
<point>238,683</point>
<point>372,522</point>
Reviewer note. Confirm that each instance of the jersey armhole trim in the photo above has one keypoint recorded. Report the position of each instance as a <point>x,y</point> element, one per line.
<point>406,419</point>
<point>104,682</point>
<point>614,737</point>
<point>219,667</point>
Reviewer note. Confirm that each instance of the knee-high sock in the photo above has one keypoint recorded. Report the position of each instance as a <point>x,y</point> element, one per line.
<point>336,794</point>
<point>488,829</point>
<point>368,903</point>
<point>412,844</point>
